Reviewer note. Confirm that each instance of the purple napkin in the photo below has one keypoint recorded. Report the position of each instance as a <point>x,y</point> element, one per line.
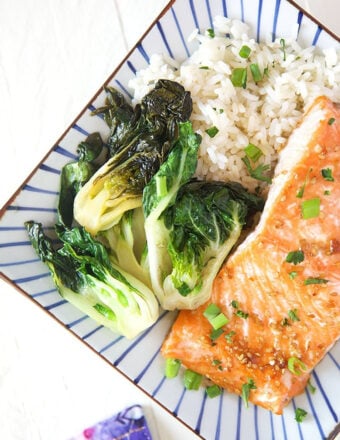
<point>128,424</point>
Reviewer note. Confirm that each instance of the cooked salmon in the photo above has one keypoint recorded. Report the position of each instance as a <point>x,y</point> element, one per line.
<point>280,289</point>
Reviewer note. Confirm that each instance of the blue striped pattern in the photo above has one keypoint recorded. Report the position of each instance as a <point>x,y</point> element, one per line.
<point>224,417</point>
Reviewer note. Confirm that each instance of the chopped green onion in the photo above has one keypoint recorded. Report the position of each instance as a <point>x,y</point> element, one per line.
<point>296,366</point>
<point>327,174</point>
<point>172,367</point>
<point>216,362</point>
<point>212,131</point>
<point>331,121</point>
<point>239,77</point>
<point>310,208</point>
<point>303,186</point>
<point>216,333</point>
<point>253,152</point>
<point>295,257</point>
<point>213,391</point>
<point>211,33</point>
<point>204,67</point>
<point>244,51</point>
<point>312,280</point>
<point>211,311</point>
<point>192,380</point>
<point>241,314</point>
<point>292,274</point>
<point>285,322</point>
<point>292,314</point>
<point>246,387</point>
<point>311,387</point>
<point>234,304</point>
<point>300,414</point>
<point>256,73</point>
<point>257,173</point>
<point>327,192</point>
<point>283,48</point>
<point>266,71</point>
<point>229,336</point>
<point>219,321</point>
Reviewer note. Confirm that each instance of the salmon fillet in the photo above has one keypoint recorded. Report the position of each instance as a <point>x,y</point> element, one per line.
<point>283,315</point>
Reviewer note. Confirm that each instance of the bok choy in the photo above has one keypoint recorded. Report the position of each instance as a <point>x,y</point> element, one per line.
<point>139,142</point>
<point>190,226</point>
<point>86,277</point>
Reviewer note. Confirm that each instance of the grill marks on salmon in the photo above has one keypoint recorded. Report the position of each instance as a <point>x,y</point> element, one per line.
<point>279,312</point>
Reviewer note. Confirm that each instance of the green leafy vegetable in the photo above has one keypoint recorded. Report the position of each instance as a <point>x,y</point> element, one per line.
<point>239,77</point>
<point>75,174</point>
<point>85,276</point>
<point>310,208</point>
<point>295,257</point>
<point>139,142</point>
<point>300,414</point>
<point>327,174</point>
<point>246,388</point>
<point>192,227</point>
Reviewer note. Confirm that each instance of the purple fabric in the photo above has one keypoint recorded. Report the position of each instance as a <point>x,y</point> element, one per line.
<point>128,424</point>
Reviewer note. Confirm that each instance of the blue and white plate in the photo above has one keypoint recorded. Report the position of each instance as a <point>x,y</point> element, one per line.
<point>223,417</point>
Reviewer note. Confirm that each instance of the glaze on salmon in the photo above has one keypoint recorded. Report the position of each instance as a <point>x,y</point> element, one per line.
<point>283,315</point>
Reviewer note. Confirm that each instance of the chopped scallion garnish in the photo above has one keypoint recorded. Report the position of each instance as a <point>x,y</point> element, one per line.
<point>244,51</point>
<point>211,33</point>
<point>234,304</point>
<point>327,174</point>
<point>239,77</point>
<point>292,274</point>
<point>218,321</point>
<point>331,121</point>
<point>229,336</point>
<point>172,367</point>
<point>312,280</point>
<point>295,257</point>
<point>212,131</point>
<point>241,314</point>
<point>204,67</point>
<point>327,192</point>
<point>293,315</point>
<point>192,380</point>
<point>310,208</point>
<point>216,333</point>
<point>300,414</point>
<point>296,366</point>
<point>253,152</point>
<point>283,48</point>
<point>213,391</point>
<point>311,387</point>
<point>246,387</point>
<point>255,71</point>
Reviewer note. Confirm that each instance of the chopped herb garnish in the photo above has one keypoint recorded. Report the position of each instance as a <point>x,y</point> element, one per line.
<point>312,280</point>
<point>216,362</point>
<point>234,304</point>
<point>216,333</point>
<point>257,173</point>
<point>241,314</point>
<point>229,336</point>
<point>283,48</point>
<point>327,192</point>
<point>327,174</point>
<point>211,33</point>
<point>204,67</point>
<point>214,315</point>
<point>213,391</point>
<point>172,367</point>
<point>253,152</point>
<point>285,322</point>
<point>246,387</point>
<point>244,51</point>
<point>311,387</point>
<point>300,414</point>
<point>266,71</point>
<point>301,191</point>
<point>192,380</point>
<point>296,366</point>
<point>256,73</point>
<point>310,208</point>
<point>292,314</point>
<point>239,77</point>
<point>295,257</point>
<point>293,274</point>
<point>331,121</point>
<point>212,131</point>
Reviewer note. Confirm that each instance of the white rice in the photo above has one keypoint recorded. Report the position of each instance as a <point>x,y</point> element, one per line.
<point>263,114</point>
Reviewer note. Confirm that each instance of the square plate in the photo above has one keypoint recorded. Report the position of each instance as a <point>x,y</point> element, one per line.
<point>139,359</point>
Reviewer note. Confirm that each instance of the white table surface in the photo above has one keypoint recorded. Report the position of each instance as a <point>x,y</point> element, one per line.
<point>54,55</point>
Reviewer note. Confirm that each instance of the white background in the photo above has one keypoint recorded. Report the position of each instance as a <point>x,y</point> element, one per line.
<point>54,56</point>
